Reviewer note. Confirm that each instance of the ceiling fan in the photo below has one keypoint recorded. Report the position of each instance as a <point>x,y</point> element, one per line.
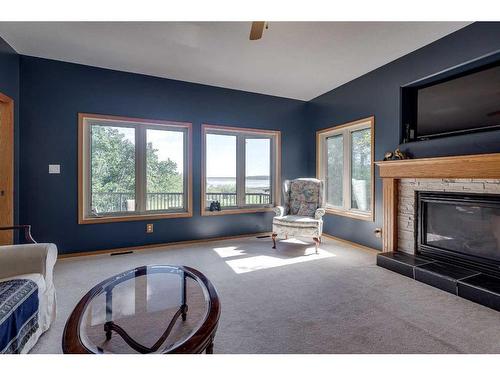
<point>258,29</point>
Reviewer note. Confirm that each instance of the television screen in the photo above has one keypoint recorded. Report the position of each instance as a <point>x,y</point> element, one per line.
<point>464,104</point>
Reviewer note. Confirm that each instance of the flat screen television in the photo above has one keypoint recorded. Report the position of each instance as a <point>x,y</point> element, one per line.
<point>465,103</point>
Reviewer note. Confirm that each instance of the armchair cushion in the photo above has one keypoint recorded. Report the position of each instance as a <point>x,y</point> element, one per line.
<point>296,221</point>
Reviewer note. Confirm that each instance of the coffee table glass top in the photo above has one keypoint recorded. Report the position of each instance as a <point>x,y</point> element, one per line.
<point>152,309</point>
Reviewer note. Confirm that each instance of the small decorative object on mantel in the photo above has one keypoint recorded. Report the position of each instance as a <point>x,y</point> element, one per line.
<point>396,155</point>
<point>388,155</point>
<point>215,206</point>
<point>400,155</point>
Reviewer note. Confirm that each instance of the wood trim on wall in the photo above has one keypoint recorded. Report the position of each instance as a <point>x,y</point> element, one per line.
<point>339,211</point>
<point>277,177</point>
<point>350,214</point>
<point>133,119</point>
<point>170,245</point>
<point>466,166</point>
<point>390,214</point>
<point>351,243</point>
<point>160,246</point>
<point>6,168</point>
<point>235,211</point>
<point>135,217</point>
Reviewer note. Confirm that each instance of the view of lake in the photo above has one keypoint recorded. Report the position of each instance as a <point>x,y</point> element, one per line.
<point>252,182</point>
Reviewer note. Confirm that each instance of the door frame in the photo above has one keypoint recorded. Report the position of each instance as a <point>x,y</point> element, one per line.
<point>7,167</point>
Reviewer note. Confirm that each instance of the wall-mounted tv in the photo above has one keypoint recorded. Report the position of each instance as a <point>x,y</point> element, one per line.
<point>464,103</point>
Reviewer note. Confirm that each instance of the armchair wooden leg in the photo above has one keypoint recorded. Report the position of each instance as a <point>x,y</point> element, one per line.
<point>274,235</point>
<point>317,241</point>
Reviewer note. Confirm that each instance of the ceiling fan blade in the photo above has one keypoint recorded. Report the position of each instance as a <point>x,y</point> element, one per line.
<point>257,30</point>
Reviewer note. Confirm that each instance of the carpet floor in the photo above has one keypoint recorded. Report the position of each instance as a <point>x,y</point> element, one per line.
<point>291,300</point>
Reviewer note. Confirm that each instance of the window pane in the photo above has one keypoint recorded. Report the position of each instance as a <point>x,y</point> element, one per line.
<point>221,170</point>
<point>258,171</point>
<point>164,169</point>
<point>335,170</point>
<point>361,170</point>
<point>112,172</point>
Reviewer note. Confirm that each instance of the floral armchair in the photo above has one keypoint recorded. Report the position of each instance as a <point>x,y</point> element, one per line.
<point>301,215</point>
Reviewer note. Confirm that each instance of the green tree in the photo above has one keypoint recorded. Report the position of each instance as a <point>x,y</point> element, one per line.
<point>113,170</point>
<point>361,154</point>
<point>335,172</point>
<point>360,162</point>
<point>162,175</point>
<point>113,161</point>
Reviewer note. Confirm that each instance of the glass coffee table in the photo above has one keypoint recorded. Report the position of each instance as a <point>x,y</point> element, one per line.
<point>150,309</point>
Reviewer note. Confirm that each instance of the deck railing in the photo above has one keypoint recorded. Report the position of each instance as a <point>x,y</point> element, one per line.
<point>164,201</point>
<point>229,199</point>
<point>125,201</point>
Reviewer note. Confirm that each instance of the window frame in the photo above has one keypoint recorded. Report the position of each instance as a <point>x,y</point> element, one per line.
<point>84,165</point>
<point>346,130</point>
<point>241,133</point>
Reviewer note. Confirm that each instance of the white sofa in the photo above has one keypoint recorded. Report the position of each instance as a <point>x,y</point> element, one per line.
<point>33,262</point>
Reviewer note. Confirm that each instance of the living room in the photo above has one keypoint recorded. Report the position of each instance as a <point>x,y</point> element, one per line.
<point>249,187</point>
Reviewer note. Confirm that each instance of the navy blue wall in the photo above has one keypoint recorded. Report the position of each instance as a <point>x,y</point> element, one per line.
<point>378,93</point>
<point>9,85</point>
<point>54,92</point>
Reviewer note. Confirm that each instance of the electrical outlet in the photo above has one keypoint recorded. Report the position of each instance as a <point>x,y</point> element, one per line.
<point>378,232</point>
<point>149,228</point>
<point>54,168</point>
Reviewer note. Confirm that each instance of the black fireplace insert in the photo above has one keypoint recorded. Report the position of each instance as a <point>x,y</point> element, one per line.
<point>460,228</point>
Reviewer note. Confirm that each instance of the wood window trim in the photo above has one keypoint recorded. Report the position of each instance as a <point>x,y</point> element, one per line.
<point>205,128</point>
<point>7,168</point>
<point>320,134</point>
<point>82,219</point>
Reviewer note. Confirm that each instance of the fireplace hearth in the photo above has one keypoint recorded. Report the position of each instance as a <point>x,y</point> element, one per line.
<point>457,245</point>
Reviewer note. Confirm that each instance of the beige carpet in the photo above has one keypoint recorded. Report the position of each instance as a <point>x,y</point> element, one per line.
<point>294,301</point>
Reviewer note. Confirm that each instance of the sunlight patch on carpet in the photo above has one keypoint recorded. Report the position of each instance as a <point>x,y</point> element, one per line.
<point>229,251</point>
<point>261,262</point>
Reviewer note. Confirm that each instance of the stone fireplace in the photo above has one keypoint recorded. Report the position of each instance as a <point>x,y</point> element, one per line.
<point>460,228</point>
<point>408,189</point>
<point>421,200</point>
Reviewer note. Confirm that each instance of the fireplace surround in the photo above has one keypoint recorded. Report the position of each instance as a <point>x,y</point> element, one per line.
<point>421,197</point>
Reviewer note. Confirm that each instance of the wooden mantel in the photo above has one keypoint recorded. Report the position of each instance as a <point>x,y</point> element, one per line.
<point>467,166</point>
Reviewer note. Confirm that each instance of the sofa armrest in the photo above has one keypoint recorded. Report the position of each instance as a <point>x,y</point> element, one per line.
<point>28,258</point>
<point>319,213</point>
<point>279,210</point>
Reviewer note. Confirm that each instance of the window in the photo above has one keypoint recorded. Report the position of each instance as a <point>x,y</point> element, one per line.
<point>240,169</point>
<point>133,169</point>
<point>345,163</point>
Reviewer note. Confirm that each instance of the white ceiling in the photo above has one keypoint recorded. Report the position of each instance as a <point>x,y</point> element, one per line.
<point>299,60</point>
